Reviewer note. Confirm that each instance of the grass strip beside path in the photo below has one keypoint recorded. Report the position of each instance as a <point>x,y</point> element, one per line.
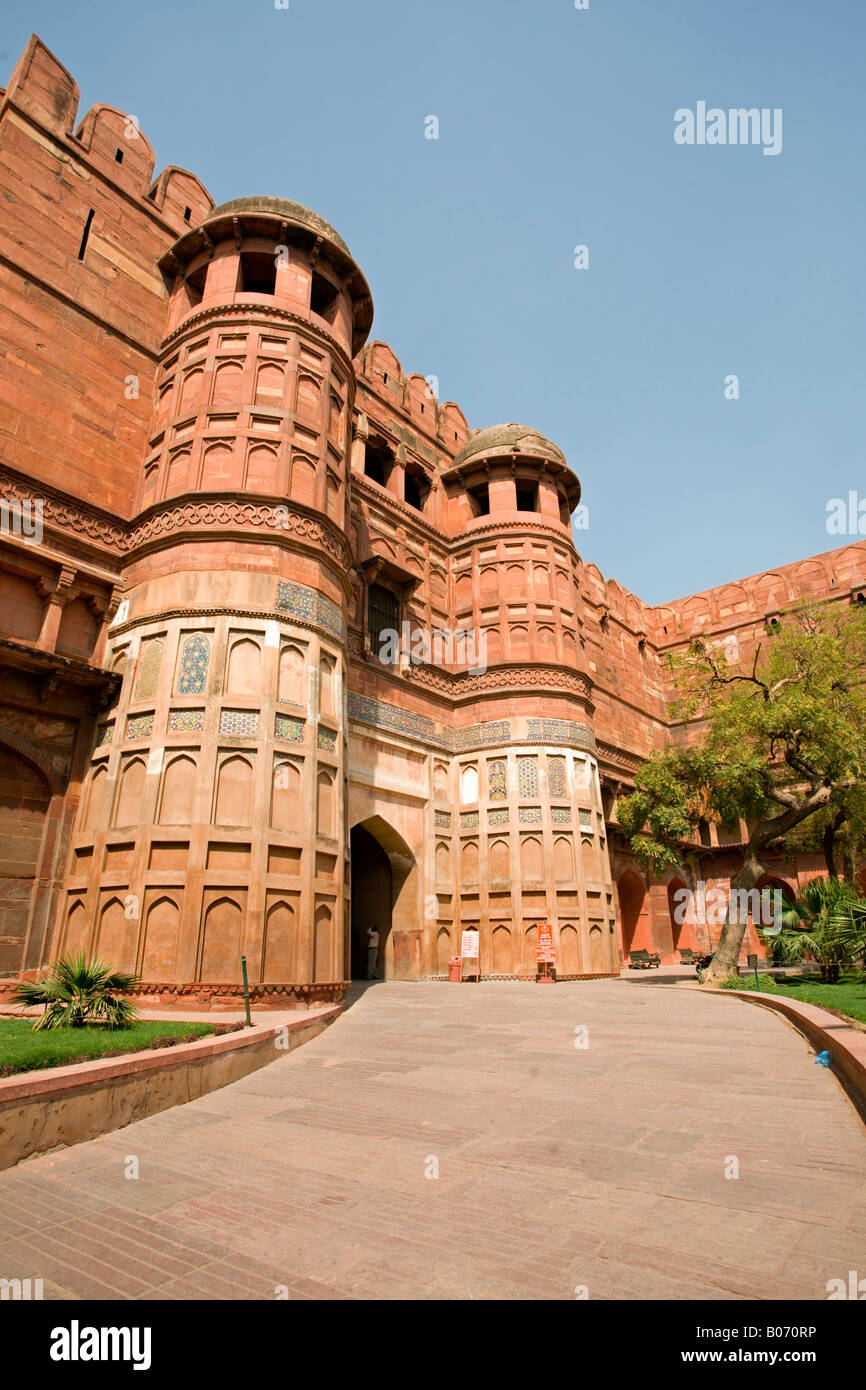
<point>22,1049</point>
<point>847,997</point>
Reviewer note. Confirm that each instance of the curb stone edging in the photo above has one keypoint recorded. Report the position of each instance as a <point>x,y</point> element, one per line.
<point>57,1106</point>
<point>826,1032</point>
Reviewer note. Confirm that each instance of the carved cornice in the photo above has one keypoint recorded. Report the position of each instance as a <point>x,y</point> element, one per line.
<point>278,615</point>
<point>538,522</point>
<point>619,757</point>
<point>86,523</point>
<point>251,312</point>
<point>166,519</point>
<point>464,684</point>
<point>373,493</point>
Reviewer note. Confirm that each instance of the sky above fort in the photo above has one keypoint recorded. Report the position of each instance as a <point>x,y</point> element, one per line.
<point>700,360</point>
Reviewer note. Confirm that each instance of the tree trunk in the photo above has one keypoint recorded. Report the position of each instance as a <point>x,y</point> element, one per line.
<point>828,842</point>
<point>724,962</point>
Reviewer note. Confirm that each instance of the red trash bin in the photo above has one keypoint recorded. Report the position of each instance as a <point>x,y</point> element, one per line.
<point>455,970</point>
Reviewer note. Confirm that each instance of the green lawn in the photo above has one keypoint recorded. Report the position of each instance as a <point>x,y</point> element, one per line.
<point>22,1049</point>
<point>847,996</point>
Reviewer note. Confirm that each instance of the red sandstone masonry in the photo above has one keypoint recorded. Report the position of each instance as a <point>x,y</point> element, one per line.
<point>165,501</point>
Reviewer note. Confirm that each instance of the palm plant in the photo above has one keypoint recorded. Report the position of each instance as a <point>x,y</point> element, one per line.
<point>78,991</point>
<point>826,921</point>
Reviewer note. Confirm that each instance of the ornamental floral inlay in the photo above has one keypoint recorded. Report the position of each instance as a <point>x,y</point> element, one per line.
<point>530,815</point>
<point>185,721</point>
<point>527,777</point>
<point>468,820</point>
<point>244,722</point>
<point>557,781</point>
<point>148,669</point>
<point>497,786</point>
<point>288,729</point>
<point>326,740</point>
<point>139,726</point>
<point>194,661</point>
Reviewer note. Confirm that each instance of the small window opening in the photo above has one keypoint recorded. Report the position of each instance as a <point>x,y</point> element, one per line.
<point>258,273</point>
<point>704,833</point>
<point>118,155</point>
<point>479,500</point>
<point>377,464</point>
<point>187,214</point>
<point>383,614</point>
<point>83,247</point>
<point>323,296</point>
<point>527,497</point>
<point>194,285</point>
<point>415,489</point>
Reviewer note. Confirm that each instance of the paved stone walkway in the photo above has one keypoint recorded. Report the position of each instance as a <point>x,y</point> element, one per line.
<point>558,1166</point>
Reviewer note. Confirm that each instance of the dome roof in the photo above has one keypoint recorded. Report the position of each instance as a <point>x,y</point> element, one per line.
<point>283,208</point>
<point>506,440</point>
<point>264,215</point>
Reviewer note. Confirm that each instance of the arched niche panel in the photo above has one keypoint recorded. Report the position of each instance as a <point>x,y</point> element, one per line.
<point>291,685</point>
<point>130,792</point>
<point>222,937</point>
<point>280,927</point>
<point>178,790</point>
<point>234,794</point>
<point>322,944</point>
<point>244,670</point>
<point>286,795</point>
<point>161,938</point>
<point>502,951</point>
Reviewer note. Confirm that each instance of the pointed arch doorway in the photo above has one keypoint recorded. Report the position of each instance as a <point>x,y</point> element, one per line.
<point>384,895</point>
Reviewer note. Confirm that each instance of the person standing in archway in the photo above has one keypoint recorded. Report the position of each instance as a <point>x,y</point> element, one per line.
<point>372,952</point>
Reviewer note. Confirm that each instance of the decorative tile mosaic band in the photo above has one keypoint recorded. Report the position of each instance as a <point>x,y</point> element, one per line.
<point>443,820</point>
<point>482,735</point>
<point>106,733</point>
<point>139,726</point>
<point>585,817</point>
<point>301,602</point>
<point>185,721</point>
<point>529,815</point>
<point>498,817</point>
<point>290,730</point>
<point>240,721</point>
<point>566,731</point>
<point>326,740</point>
<point>468,820</point>
<point>369,710</point>
<point>560,815</point>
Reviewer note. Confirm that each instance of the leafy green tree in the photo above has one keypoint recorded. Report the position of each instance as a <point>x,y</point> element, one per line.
<point>774,742</point>
<point>77,992</point>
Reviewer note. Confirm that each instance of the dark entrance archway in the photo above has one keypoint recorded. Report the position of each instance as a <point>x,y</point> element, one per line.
<point>384,893</point>
<point>372,896</point>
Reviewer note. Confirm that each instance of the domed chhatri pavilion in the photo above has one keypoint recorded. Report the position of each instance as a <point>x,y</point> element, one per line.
<point>219,498</point>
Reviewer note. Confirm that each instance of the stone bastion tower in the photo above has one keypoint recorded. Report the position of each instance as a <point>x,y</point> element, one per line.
<point>213,817</point>
<point>527,834</point>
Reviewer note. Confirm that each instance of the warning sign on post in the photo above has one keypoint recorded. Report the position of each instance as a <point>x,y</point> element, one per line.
<point>545,951</point>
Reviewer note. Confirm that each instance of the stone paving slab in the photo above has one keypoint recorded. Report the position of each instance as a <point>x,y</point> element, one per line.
<point>558,1166</point>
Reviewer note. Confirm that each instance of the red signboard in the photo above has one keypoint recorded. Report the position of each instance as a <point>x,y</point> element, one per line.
<point>545,951</point>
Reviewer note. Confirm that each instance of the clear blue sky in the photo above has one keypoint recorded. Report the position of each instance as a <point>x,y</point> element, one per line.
<point>556,129</point>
